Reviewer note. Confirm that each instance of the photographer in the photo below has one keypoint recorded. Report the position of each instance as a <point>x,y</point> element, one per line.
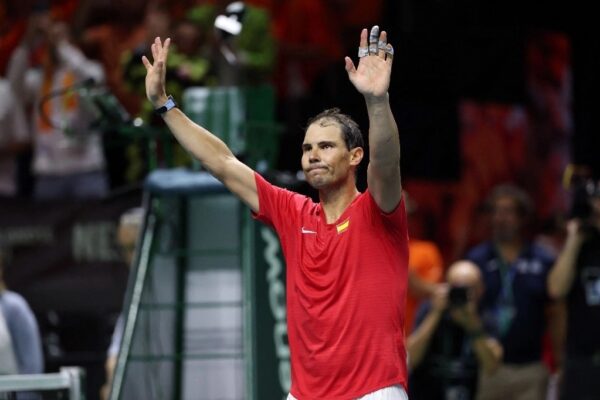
<point>449,346</point>
<point>576,278</point>
<point>68,158</point>
<point>515,306</point>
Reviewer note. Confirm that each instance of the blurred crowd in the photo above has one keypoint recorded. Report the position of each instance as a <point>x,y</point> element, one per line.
<point>516,316</point>
<point>73,82</point>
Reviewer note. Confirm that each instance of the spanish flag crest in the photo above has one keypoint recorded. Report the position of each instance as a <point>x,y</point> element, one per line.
<point>343,226</point>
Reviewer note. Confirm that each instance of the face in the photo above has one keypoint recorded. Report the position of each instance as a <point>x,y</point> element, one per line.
<point>506,221</point>
<point>326,161</point>
<point>127,237</point>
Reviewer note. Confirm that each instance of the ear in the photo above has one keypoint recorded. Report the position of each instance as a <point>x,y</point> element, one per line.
<point>356,156</point>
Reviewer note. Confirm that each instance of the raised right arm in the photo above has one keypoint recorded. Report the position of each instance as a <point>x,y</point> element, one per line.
<point>562,274</point>
<point>214,155</point>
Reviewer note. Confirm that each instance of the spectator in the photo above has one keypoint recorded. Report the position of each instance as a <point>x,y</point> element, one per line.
<point>68,158</point>
<point>449,346</point>
<point>515,301</point>
<point>22,328</point>
<point>122,31</point>
<point>576,278</point>
<point>129,230</point>
<point>14,137</point>
<point>425,267</point>
<point>190,63</point>
<point>246,44</point>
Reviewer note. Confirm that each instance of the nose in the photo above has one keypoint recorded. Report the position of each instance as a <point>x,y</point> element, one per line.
<point>313,155</point>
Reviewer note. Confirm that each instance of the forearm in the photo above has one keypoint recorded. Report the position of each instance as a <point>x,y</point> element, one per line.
<point>488,352</point>
<point>419,287</point>
<point>562,274</point>
<point>384,142</point>
<point>556,320</point>
<point>211,151</point>
<point>418,341</point>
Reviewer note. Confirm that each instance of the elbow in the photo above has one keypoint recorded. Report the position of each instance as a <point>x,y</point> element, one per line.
<point>492,358</point>
<point>491,367</point>
<point>556,291</point>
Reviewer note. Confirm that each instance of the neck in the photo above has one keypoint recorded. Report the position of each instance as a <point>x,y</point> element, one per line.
<point>334,201</point>
<point>509,249</point>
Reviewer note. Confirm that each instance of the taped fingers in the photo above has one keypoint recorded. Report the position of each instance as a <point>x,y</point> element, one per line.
<point>382,44</point>
<point>363,52</point>
<point>389,51</point>
<point>373,39</point>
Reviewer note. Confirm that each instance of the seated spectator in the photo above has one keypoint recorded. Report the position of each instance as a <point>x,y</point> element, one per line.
<point>576,278</point>
<point>130,225</point>
<point>515,302</point>
<point>449,347</point>
<point>68,159</point>
<point>23,331</point>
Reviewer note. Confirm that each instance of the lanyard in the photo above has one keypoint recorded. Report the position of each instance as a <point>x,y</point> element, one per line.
<point>505,309</point>
<point>507,279</point>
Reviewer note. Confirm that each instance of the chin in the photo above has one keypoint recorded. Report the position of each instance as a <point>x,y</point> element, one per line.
<point>317,183</point>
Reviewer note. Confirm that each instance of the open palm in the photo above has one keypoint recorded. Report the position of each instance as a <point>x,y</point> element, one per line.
<point>155,73</point>
<point>372,76</point>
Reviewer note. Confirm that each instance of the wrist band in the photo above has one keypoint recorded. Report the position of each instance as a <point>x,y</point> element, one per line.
<point>169,104</point>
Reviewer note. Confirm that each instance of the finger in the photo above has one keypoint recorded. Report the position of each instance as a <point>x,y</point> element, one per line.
<point>389,53</point>
<point>363,38</point>
<point>382,44</point>
<point>154,52</point>
<point>350,68</point>
<point>146,63</point>
<point>158,46</point>
<point>373,38</point>
<point>166,46</point>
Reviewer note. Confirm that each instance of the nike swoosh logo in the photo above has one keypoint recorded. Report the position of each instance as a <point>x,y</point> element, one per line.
<point>304,230</point>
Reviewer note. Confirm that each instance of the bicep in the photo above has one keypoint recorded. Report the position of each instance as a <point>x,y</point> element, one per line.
<point>240,180</point>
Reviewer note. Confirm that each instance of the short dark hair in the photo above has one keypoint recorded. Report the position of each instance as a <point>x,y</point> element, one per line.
<point>519,196</point>
<point>350,131</point>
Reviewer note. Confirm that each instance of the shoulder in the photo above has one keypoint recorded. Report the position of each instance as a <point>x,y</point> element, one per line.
<point>480,253</point>
<point>397,215</point>
<point>541,252</point>
<point>266,188</point>
<point>13,302</point>
<point>279,206</point>
<point>542,255</point>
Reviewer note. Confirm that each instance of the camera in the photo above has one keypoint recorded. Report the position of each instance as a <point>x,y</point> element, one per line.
<point>230,23</point>
<point>458,296</point>
<point>583,186</point>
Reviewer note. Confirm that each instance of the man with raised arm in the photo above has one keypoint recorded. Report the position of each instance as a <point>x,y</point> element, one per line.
<point>346,256</point>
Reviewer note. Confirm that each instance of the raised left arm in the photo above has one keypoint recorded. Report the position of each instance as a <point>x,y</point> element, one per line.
<point>372,79</point>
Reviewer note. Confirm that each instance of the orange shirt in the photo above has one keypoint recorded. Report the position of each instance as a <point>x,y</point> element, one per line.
<point>425,259</point>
